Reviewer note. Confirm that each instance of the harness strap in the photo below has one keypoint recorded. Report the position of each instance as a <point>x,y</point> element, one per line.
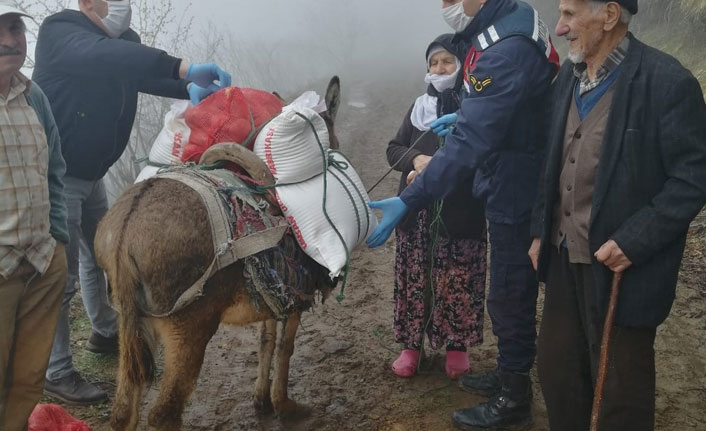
<point>226,249</point>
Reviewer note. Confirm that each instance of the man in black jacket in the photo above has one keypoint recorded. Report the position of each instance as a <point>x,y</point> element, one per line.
<point>625,175</point>
<point>91,67</point>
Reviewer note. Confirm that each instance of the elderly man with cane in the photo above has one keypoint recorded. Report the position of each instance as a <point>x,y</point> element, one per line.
<point>625,175</point>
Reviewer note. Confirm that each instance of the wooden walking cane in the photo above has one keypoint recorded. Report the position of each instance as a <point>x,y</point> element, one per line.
<point>605,348</point>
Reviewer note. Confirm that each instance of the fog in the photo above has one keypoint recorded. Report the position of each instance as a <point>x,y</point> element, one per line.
<point>306,41</point>
<point>288,46</point>
<point>376,47</point>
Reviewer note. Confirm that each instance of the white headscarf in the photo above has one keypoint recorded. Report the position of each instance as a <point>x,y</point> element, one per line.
<point>424,110</point>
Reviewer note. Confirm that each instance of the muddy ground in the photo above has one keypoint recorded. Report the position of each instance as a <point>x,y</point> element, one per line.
<point>341,364</point>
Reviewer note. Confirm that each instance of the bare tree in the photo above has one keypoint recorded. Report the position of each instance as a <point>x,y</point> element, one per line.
<point>159,24</point>
<point>39,9</point>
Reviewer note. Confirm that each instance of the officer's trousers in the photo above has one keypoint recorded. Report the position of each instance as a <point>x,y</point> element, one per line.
<point>512,299</point>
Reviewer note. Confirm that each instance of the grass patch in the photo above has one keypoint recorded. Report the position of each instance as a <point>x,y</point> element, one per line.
<point>99,369</point>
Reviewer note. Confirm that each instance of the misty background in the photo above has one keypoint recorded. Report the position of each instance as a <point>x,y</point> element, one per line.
<point>376,48</point>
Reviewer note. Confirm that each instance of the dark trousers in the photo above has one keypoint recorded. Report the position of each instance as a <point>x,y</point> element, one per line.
<point>568,353</point>
<point>512,299</point>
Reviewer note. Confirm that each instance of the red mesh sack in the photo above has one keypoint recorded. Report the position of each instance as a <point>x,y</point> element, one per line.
<point>232,114</point>
<point>51,417</point>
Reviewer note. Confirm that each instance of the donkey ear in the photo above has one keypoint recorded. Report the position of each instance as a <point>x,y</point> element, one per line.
<point>333,97</point>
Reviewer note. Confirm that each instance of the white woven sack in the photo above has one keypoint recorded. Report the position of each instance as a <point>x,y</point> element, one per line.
<point>289,147</point>
<point>146,172</point>
<point>170,142</point>
<point>346,206</point>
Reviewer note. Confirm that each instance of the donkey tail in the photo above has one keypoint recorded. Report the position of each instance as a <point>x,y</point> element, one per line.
<point>136,355</point>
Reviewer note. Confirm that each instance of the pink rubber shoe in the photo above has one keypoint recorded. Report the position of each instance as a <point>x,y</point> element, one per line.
<point>406,364</point>
<point>456,364</point>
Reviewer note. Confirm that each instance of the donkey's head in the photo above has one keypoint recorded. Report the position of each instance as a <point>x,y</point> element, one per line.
<point>333,101</point>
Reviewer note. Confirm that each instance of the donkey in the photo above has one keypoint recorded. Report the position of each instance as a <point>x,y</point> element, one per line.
<point>154,243</point>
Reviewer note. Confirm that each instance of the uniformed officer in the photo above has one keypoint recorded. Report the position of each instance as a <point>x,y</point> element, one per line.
<point>497,136</point>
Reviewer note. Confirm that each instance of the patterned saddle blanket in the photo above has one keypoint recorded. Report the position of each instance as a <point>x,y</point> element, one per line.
<point>278,274</point>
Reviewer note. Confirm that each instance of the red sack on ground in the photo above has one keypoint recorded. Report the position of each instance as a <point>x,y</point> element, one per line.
<point>232,114</point>
<point>51,417</point>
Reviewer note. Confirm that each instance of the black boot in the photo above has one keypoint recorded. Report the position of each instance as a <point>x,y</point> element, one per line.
<point>487,384</point>
<point>509,409</point>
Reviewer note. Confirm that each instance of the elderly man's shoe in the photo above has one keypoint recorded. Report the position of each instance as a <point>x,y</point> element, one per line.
<point>75,390</point>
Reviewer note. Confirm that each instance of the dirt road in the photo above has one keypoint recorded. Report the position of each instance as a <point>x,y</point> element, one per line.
<point>341,364</point>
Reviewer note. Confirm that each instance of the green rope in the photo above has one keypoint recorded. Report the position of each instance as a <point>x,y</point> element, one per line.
<point>435,226</point>
<point>377,183</point>
<point>255,131</point>
<point>327,160</point>
<point>358,191</point>
<point>350,196</point>
<point>346,269</point>
<point>210,167</point>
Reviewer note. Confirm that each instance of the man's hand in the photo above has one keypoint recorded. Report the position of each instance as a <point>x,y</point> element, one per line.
<point>197,94</point>
<point>206,74</point>
<point>613,257</point>
<point>393,210</point>
<point>443,125</point>
<point>534,252</point>
<point>420,162</point>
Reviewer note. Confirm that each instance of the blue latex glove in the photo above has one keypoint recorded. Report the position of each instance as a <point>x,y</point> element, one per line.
<point>197,94</point>
<point>206,74</point>
<point>443,125</point>
<point>393,210</point>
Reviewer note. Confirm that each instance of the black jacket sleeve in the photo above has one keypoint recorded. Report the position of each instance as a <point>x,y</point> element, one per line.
<point>78,51</point>
<point>682,145</point>
<point>538,209</point>
<point>400,144</point>
<point>173,88</point>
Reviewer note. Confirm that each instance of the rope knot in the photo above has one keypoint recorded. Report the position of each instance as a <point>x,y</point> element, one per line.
<point>338,164</point>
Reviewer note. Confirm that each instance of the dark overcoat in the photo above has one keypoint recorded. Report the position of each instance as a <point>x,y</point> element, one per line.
<point>650,182</point>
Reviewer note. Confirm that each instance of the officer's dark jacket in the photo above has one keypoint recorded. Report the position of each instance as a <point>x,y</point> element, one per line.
<point>499,131</point>
<point>650,182</point>
<point>92,82</point>
<point>461,214</point>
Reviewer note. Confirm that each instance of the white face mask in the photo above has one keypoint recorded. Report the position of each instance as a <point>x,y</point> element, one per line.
<point>443,82</point>
<point>456,17</point>
<point>118,19</point>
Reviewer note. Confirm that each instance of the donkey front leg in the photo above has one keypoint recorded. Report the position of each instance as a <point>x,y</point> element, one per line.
<point>268,337</point>
<point>285,347</point>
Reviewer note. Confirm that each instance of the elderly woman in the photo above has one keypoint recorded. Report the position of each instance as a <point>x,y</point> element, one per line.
<point>441,250</point>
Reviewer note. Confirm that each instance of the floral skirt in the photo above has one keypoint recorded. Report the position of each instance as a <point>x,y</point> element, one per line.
<point>458,288</point>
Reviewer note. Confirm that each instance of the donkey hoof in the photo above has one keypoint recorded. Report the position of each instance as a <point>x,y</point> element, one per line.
<point>163,418</point>
<point>290,409</point>
<point>263,404</point>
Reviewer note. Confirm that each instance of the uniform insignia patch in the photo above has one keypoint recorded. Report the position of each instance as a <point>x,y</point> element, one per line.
<point>479,84</point>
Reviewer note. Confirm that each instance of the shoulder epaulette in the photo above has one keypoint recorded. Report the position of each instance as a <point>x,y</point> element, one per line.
<point>525,22</point>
